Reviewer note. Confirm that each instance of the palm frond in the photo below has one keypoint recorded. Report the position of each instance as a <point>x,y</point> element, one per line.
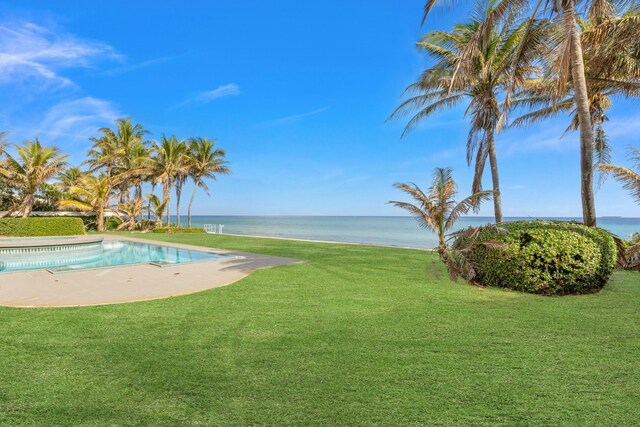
<point>465,206</point>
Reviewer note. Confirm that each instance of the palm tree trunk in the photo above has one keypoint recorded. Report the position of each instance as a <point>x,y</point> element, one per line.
<point>27,205</point>
<point>178,194</point>
<point>166,195</point>
<point>493,162</point>
<point>100,219</point>
<point>153,188</point>
<point>584,119</point>
<point>193,196</point>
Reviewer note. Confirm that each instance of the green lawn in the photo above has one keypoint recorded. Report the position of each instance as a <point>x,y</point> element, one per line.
<point>355,336</point>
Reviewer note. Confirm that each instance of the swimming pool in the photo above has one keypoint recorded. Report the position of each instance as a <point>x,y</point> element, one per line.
<point>108,253</point>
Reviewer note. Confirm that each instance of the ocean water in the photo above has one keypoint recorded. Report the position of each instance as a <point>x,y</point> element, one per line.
<point>378,230</point>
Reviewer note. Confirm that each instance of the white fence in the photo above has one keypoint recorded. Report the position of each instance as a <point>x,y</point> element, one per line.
<point>214,228</point>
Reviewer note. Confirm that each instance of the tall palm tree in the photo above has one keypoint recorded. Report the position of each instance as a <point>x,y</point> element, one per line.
<point>168,162</point>
<point>629,178</point>
<point>92,194</point>
<point>437,210</point>
<point>479,83</point>
<point>571,66</point>
<point>33,166</point>
<point>121,151</point>
<point>181,178</point>
<point>205,161</point>
<point>612,68</point>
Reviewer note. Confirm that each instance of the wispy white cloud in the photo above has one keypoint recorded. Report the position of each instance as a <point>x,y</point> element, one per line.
<point>138,66</point>
<point>219,92</point>
<point>69,121</point>
<point>29,52</point>
<point>209,95</point>
<point>293,118</point>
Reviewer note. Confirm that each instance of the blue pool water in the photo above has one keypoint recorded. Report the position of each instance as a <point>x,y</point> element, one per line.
<point>96,255</point>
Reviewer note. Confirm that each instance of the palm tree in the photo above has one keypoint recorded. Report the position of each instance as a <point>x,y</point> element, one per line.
<point>612,68</point>
<point>156,207</point>
<point>29,171</point>
<point>92,194</point>
<point>630,255</point>
<point>131,209</point>
<point>181,178</point>
<point>206,161</point>
<point>437,211</point>
<point>571,66</point>
<point>3,141</point>
<point>121,152</point>
<point>169,163</point>
<point>68,178</point>
<point>479,82</point>
<point>629,178</point>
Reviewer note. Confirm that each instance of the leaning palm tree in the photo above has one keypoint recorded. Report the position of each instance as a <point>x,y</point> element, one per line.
<point>169,163</point>
<point>206,161</point>
<point>486,74</point>
<point>437,210</point>
<point>27,172</point>
<point>570,67</point>
<point>92,194</point>
<point>130,211</point>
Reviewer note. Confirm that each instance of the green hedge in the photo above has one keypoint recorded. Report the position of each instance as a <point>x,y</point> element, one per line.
<point>545,257</point>
<point>46,226</point>
<point>185,230</point>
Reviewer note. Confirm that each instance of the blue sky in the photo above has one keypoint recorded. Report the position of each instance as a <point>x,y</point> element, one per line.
<point>297,93</point>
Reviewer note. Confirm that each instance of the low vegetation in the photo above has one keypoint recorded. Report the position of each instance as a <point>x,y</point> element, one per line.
<point>36,227</point>
<point>356,335</point>
<point>183,230</point>
<point>544,257</point>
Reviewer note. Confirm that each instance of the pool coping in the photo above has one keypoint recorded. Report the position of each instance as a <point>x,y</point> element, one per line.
<point>131,283</point>
<point>31,242</point>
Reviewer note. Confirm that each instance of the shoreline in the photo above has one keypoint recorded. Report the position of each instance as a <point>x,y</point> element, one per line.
<point>322,241</point>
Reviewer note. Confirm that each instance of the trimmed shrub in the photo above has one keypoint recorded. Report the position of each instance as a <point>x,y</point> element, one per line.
<point>184,230</point>
<point>545,257</point>
<point>32,227</point>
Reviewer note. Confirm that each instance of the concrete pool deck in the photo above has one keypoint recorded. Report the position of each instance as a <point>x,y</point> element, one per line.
<point>113,285</point>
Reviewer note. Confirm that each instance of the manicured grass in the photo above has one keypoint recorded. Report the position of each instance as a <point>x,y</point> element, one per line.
<point>355,336</point>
